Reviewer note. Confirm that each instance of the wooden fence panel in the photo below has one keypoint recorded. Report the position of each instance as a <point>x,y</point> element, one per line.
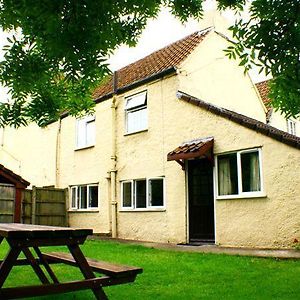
<point>50,207</point>
<point>7,203</point>
<point>45,206</point>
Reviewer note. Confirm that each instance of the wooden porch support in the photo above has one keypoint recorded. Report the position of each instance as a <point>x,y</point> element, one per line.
<point>181,163</point>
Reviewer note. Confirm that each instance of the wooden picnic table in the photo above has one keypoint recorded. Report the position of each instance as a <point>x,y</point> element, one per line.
<point>22,237</point>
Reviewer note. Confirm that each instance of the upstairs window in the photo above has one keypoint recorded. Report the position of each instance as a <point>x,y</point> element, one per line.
<point>291,127</point>
<point>239,174</point>
<point>84,197</point>
<point>85,132</point>
<point>136,116</point>
<point>143,193</point>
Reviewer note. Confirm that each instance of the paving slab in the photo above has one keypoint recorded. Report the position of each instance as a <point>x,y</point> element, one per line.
<point>275,253</point>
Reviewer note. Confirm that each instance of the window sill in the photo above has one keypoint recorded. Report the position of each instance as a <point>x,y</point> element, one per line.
<point>237,197</point>
<point>143,210</point>
<point>83,148</point>
<point>91,210</point>
<point>135,132</point>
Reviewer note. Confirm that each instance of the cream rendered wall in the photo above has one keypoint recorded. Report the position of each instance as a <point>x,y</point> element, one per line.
<point>271,221</point>
<point>87,166</point>
<point>143,155</point>
<point>30,153</point>
<point>211,76</point>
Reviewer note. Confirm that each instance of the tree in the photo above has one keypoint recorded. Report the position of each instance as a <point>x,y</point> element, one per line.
<point>272,37</point>
<point>58,55</point>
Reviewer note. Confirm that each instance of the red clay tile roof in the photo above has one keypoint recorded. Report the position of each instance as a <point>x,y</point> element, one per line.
<point>13,178</point>
<point>192,149</point>
<point>245,121</point>
<point>263,89</point>
<point>156,63</point>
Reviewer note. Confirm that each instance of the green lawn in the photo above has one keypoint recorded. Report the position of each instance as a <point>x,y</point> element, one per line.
<point>179,275</point>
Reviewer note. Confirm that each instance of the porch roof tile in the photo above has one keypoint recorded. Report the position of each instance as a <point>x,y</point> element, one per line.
<point>192,149</point>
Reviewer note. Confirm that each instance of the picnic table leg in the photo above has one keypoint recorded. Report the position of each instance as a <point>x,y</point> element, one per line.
<point>35,266</point>
<point>8,263</point>
<point>45,264</point>
<point>86,269</point>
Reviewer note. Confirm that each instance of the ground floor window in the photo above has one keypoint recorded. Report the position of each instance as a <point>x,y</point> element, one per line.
<point>239,173</point>
<point>84,196</point>
<point>143,193</point>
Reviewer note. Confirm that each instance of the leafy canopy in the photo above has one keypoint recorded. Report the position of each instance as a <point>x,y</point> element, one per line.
<point>271,40</point>
<point>58,53</point>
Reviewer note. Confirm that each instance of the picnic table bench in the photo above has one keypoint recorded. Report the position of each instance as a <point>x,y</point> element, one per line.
<point>21,237</point>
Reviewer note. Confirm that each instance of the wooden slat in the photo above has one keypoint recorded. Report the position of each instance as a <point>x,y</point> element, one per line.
<point>16,230</point>
<point>111,269</point>
<point>35,266</point>
<point>85,269</point>
<point>8,263</point>
<point>45,264</point>
<point>48,289</point>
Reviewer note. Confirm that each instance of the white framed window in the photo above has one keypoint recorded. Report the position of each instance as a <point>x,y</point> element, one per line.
<point>291,127</point>
<point>84,197</point>
<point>85,132</point>
<point>239,174</point>
<point>136,115</point>
<point>141,194</point>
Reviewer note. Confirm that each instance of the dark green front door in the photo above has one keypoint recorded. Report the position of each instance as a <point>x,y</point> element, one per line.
<point>201,200</point>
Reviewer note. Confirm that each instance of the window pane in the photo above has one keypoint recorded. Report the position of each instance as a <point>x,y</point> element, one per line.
<point>85,135</point>
<point>93,196</point>
<point>291,127</point>
<point>90,133</point>
<point>156,192</point>
<point>127,194</point>
<point>74,198</point>
<point>250,172</point>
<point>135,101</point>
<point>80,137</point>
<point>227,174</point>
<point>137,120</point>
<point>140,193</point>
<point>83,196</point>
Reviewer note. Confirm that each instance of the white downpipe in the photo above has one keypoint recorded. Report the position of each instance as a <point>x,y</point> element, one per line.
<point>114,230</point>
<point>57,154</point>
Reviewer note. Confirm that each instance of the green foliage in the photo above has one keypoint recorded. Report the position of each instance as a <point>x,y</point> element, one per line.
<point>57,56</point>
<point>271,40</point>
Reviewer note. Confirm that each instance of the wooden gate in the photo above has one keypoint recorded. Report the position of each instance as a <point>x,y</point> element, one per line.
<point>7,202</point>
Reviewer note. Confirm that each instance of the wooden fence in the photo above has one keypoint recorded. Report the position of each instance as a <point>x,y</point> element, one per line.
<point>7,202</point>
<point>45,206</point>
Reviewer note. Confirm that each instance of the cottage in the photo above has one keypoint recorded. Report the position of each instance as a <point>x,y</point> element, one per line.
<point>178,150</point>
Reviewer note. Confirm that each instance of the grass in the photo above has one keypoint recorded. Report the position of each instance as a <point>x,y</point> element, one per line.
<point>179,275</point>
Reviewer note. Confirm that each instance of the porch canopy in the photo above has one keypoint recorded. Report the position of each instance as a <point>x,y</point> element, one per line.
<point>197,148</point>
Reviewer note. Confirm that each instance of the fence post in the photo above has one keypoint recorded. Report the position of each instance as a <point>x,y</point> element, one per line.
<point>33,205</point>
<point>67,207</point>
